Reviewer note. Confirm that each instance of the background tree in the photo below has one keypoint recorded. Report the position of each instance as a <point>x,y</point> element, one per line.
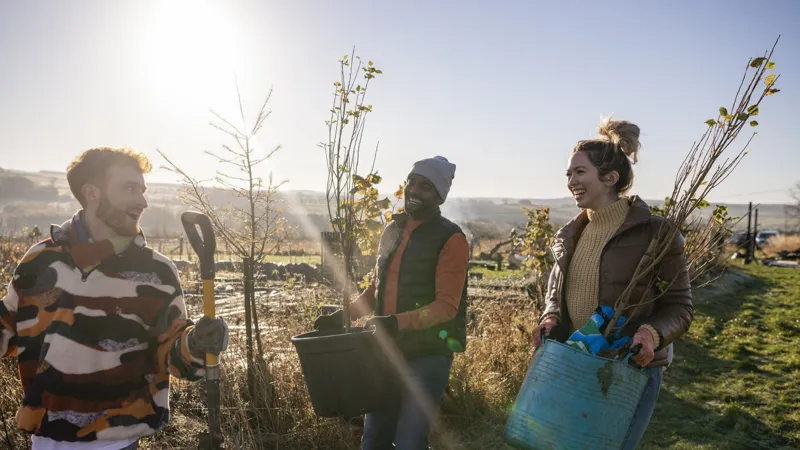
<point>253,226</point>
<point>795,193</point>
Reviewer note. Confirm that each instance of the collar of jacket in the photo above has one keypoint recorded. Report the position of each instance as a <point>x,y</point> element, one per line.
<point>566,238</point>
<point>73,236</point>
<point>401,219</point>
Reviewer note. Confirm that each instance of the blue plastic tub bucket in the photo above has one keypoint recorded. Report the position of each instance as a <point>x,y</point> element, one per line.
<point>574,400</point>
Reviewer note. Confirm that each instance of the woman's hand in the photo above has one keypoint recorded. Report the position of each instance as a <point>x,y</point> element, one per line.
<point>646,354</point>
<point>548,325</point>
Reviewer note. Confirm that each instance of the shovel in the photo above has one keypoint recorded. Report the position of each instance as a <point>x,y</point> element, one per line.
<point>205,247</point>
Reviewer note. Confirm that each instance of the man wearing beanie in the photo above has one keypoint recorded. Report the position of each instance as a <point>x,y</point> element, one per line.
<point>419,296</point>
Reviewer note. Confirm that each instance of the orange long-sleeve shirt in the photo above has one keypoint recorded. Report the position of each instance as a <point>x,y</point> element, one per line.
<point>451,272</point>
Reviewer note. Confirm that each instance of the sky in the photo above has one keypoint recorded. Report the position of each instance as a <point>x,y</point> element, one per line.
<point>504,89</point>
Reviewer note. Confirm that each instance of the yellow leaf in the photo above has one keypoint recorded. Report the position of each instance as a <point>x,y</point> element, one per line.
<point>398,194</point>
<point>771,65</point>
<point>770,80</point>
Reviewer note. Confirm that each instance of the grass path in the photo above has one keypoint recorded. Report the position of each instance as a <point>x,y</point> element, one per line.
<point>735,381</point>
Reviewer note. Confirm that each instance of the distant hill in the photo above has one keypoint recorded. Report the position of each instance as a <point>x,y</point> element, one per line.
<point>29,198</point>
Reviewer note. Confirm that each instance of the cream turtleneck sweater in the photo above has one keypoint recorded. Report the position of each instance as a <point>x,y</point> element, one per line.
<point>583,275</point>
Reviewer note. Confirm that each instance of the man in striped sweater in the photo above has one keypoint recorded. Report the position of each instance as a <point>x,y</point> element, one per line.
<point>97,319</point>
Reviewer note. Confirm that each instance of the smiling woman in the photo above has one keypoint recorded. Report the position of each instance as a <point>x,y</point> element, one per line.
<point>189,52</point>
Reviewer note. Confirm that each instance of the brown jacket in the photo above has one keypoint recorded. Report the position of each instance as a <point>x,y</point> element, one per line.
<point>671,314</point>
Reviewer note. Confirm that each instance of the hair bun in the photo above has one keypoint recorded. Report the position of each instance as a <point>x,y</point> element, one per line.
<point>622,133</point>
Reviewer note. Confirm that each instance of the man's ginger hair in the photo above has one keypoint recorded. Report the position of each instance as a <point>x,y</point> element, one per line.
<point>91,167</point>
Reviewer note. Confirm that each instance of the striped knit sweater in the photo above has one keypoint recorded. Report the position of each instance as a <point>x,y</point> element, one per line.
<point>97,333</point>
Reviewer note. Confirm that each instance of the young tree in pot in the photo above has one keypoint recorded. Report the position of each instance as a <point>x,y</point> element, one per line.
<point>353,208</point>
<point>344,371</point>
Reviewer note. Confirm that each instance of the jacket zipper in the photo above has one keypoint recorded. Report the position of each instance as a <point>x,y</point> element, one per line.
<point>602,253</point>
<point>562,292</point>
<point>85,275</point>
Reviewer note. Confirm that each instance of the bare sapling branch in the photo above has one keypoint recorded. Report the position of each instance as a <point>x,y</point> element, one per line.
<point>249,221</point>
<point>703,169</point>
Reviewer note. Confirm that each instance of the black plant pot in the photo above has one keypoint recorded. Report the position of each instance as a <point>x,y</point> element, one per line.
<point>346,374</point>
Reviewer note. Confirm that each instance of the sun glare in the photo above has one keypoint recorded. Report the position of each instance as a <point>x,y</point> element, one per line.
<point>189,54</point>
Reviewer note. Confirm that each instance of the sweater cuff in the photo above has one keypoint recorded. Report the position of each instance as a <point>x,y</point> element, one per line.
<point>404,320</point>
<point>548,315</point>
<point>656,336</point>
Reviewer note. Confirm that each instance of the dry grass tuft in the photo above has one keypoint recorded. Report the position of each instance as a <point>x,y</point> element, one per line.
<point>785,243</point>
<point>486,379</point>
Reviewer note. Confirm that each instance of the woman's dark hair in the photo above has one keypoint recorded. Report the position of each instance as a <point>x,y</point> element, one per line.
<point>616,149</point>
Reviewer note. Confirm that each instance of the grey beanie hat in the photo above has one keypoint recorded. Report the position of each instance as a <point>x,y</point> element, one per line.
<point>439,171</point>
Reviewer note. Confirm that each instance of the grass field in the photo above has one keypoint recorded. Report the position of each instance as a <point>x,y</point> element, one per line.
<point>735,381</point>
<point>734,384</point>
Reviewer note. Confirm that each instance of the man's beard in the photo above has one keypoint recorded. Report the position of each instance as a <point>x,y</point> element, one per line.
<point>116,219</point>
